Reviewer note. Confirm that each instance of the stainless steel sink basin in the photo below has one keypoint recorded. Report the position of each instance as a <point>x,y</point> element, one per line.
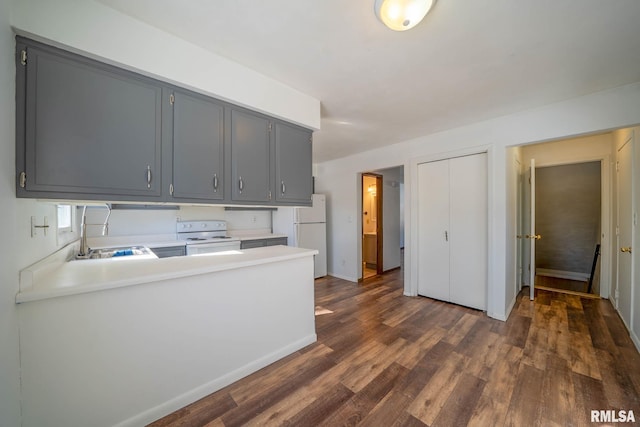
<point>124,251</point>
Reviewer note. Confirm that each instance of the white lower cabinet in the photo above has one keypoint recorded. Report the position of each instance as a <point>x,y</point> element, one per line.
<point>452,230</point>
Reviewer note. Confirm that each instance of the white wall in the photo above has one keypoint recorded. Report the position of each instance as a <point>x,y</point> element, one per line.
<point>601,111</point>
<point>568,150</point>
<point>145,222</point>
<point>98,31</point>
<point>9,362</point>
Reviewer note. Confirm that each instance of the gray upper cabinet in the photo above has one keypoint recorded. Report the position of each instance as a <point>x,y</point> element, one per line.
<point>91,131</point>
<point>250,157</point>
<point>293,164</point>
<point>198,147</point>
<point>86,130</point>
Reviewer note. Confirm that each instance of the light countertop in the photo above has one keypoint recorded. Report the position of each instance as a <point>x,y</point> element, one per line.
<point>56,278</point>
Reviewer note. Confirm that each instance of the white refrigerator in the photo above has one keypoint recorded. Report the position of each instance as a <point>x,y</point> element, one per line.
<point>306,228</point>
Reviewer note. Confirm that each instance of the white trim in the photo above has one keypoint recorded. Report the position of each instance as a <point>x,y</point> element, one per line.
<point>560,274</point>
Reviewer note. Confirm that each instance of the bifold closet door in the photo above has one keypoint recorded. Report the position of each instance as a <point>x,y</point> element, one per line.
<point>468,235</point>
<point>452,230</point>
<point>433,226</point>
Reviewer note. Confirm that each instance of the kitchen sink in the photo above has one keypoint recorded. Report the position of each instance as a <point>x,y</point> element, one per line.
<point>124,251</point>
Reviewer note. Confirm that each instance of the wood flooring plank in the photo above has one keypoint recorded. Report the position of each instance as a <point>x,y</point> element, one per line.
<point>200,412</point>
<point>590,396</point>
<point>617,383</point>
<point>618,331</point>
<point>461,328</point>
<point>321,408</point>
<point>263,399</point>
<point>358,378</point>
<point>598,330</point>
<point>357,408</point>
<point>435,393</point>
<point>416,351</point>
<point>577,321</point>
<point>245,390</point>
<point>526,399</point>
<point>492,406</point>
<point>629,359</point>
<point>458,410</point>
<point>518,330</point>
<point>559,392</point>
<point>582,356</point>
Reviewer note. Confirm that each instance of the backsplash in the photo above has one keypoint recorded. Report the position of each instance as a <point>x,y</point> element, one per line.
<point>146,222</point>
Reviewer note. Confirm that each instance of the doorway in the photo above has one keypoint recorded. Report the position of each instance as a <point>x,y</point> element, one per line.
<point>372,225</point>
<point>568,218</point>
<point>572,210</point>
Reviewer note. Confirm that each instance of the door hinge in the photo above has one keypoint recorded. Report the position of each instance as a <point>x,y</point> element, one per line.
<point>270,126</point>
<point>23,57</point>
<point>269,195</point>
<point>617,166</point>
<point>172,99</point>
<point>22,180</point>
<point>171,189</point>
<point>617,231</point>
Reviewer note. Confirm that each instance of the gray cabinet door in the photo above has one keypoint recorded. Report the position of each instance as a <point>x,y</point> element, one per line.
<point>250,157</point>
<point>277,241</point>
<point>249,244</point>
<point>91,130</point>
<point>293,164</point>
<point>198,149</point>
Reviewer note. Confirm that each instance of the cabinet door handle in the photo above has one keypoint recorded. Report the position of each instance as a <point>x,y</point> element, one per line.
<point>215,182</point>
<point>148,176</point>
<point>283,187</point>
<point>240,185</point>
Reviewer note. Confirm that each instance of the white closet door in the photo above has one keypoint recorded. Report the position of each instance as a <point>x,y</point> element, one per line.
<point>468,235</point>
<point>433,230</point>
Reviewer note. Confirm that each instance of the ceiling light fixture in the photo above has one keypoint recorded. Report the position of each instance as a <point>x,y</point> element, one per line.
<point>402,15</point>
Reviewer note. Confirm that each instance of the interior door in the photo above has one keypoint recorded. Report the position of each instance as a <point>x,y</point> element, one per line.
<point>625,226</point>
<point>433,230</point>
<point>468,231</point>
<point>532,236</point>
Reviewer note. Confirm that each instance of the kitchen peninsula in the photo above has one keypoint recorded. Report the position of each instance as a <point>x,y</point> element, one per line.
<point>124,342</point>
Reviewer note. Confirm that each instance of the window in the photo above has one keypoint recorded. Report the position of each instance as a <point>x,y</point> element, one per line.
<point>64,218</point>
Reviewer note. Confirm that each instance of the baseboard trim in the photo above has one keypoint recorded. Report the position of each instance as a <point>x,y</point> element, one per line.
<point>560,274</point>
<point>199,392</point>
<point>497,316</point>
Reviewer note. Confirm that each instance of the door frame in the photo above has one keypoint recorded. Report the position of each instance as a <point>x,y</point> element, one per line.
<point>379,222</point>
<point>605,213</point>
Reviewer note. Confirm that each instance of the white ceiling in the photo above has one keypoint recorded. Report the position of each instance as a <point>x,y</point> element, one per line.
<point>467,61</point>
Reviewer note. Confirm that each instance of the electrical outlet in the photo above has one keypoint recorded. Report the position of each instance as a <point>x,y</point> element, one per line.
<point>254,219</point>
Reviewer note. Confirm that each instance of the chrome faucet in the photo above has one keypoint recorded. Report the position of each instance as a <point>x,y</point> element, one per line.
<point>84,250</point>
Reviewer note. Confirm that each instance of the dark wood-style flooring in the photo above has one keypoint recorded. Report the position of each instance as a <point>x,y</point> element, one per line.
<point>383,359</point>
